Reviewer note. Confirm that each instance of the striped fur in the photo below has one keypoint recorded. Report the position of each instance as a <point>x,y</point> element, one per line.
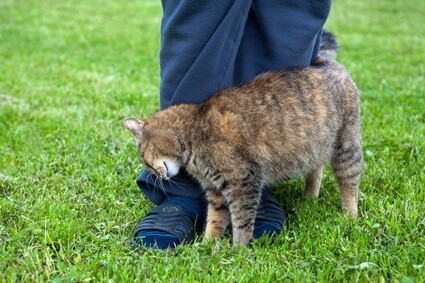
<point>283,124</point>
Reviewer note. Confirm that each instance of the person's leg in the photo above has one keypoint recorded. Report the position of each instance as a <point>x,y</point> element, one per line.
<point>198,40</point>
<point>210,45</point>
<point>278,34</point>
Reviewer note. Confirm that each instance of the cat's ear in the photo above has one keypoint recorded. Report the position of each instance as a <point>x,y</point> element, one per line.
<point>135,126</point>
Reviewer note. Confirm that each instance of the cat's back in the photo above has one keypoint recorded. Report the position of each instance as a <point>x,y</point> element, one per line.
<point>296,98</point>
<point>290,115</point>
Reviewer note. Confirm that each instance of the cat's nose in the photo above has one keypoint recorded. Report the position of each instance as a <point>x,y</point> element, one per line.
<point>166,176</point>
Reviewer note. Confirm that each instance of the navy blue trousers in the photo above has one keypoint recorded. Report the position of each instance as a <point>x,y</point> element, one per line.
<point>208,45</point>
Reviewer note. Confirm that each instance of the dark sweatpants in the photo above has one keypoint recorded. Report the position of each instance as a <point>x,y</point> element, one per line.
<point>208,45</point>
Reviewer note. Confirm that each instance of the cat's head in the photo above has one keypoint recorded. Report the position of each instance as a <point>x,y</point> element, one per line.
<point>158,145</point>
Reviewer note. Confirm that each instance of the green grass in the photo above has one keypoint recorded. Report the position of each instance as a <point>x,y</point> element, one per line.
<point>70,71</point>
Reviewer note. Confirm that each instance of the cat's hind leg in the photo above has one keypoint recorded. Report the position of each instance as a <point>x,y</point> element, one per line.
<point>347,166</point>
<point>312,184</point>
<point>218,215</point>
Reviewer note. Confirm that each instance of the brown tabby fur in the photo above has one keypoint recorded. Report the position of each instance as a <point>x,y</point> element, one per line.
<point>282,124</point>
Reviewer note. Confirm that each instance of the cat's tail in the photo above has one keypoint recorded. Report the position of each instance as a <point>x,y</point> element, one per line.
<point>328,45</point>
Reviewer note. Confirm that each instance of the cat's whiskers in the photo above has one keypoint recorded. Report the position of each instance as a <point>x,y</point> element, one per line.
<point>177,184</point>
<point>149,176</point>
<point>163,187</point>
<point>154,184</point>
<point>159,187</point>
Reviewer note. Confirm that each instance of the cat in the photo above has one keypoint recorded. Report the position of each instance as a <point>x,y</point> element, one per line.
<point>282,124</point>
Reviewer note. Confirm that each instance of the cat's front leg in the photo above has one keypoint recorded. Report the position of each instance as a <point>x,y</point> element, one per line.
<point>218,215</point>
<point>243,198</point>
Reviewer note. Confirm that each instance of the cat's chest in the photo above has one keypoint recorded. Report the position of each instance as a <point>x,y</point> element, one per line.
<point>196,169</point>
<point>201,170</point>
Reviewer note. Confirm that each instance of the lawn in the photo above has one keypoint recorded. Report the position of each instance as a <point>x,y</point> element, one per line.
<point>70,71</point>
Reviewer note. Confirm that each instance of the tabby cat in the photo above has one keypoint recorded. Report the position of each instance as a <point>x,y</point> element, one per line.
<point>283,124</point>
